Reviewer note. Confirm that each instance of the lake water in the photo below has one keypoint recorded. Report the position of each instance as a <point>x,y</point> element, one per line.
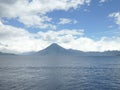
<point>59,73</point>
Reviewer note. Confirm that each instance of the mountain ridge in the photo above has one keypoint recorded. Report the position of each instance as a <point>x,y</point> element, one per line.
<point>55,49</point>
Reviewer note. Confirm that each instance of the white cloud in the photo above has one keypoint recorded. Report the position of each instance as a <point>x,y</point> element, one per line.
<point>64,21</point>
<point>116,16</point>
<point>59,36</point>
<point>67,21</point>
<point>17,40</point>
<point>102,1</point>
<point>88,44</point>
<point>37,21</point>
<point>34,13</point>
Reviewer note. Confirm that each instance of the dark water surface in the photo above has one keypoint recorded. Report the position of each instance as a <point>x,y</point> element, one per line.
<point>59,73</point>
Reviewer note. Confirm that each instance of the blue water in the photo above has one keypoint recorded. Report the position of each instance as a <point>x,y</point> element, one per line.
<point>59,73</point>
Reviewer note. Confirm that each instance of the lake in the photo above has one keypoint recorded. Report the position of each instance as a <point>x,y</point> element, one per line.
<point>59,73</point>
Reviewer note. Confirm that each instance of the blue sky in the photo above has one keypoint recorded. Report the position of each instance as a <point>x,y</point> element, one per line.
<point>84,21</point>
<point>93,18</point>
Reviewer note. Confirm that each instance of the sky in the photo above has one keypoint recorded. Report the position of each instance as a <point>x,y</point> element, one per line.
<point>86,25</point>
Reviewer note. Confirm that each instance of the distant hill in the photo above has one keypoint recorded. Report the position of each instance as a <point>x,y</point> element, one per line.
<point>1,53</point>
<point>54,49</point>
